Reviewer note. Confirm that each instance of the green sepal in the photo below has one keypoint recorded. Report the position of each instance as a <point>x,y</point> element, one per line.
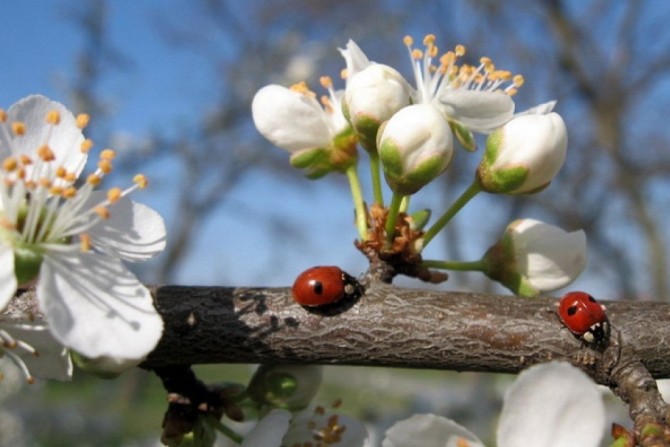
<point>87,365</point>
<point>406,183</point>
<point>367,129</point>
<point>27,263</point>
<point>420,219</point>
<point>464,136</point>
<point>500,266</point>
<point>309,157</point>
<point>502,180</point>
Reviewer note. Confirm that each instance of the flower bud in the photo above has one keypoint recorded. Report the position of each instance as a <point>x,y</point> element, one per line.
<point>290,387</point>
<point>415,146</point>
<point>534,257</point>
<point>372,96</point>
<point>524,155</point>
<point>319,139</point>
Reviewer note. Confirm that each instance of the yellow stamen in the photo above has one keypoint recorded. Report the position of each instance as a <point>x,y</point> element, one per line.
<point>7,224</point>
<point>327,104</point>
<point>460,442</point>
<point>86,146</point>
<point>70,177</point>
<point>53,117</point>
<point>108,154</point>
<point>56,190</point>
<point>61,172</point>
<point>113,195</point>
<point>408,41</point>
<point>429,40</point>
<point>3,116</point>
<point>45,153</point>
<point>460,50</point>
<point>518,80</point>
<point>105,166</point>
<point>25,159</point>
<point>45,183</point>
<point>84,242</point>
<point>301,87</point>
<point>10,164</point>
<point>344,73</point>
<point>82,120</point>
<point>102,212</point>
<point>326,82</point>
<point>93,179</point>
<point>417,54</point>
<point>18,128</point>
<point>141,181</point>
<point>69,192</point>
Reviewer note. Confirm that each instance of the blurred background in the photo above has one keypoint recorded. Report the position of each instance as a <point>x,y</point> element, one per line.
<point>168,84</point>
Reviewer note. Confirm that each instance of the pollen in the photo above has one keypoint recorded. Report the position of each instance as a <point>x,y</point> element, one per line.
<point>56,190</point>
<point>86,146</point>
<point>326,82</point>
<point>82,120</point>
<point>3,116</point>
<point>19,128</point>
<point>69,193</point>
<point>53,117</point>
<point>10,164</point>
<point>45,153</point>
<point>61,172</point>
<point>25,159</point>
<point>114,194</point>
<point>102,212</point>
<point>108,154</point>
<point>93,179</point>
<point>105,166</point>
<point>460,50</point>
<point>408,41</point>
<point>301,87</point>
<point>141,181</point>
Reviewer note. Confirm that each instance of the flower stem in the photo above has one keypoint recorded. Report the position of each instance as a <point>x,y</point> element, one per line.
<point>455,207</point>
<point>376,178</point>
<point>477,266</point>
<point>359,205</point>
<point>225,430</point>
<point>394,208</point>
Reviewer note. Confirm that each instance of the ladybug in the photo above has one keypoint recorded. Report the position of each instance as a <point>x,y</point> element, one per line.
<point>584,316</point>
<point>324,285</point>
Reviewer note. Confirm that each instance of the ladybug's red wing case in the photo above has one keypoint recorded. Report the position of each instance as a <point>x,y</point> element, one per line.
<point>323,285</point>
<point>584,316</point>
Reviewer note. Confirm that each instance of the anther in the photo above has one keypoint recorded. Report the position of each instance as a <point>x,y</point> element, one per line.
<point>93,179</point>
<point>3,116</point>
<point>102,212</point>
<point>108,154</point>
<point>141,181</point>
<point>105,166</point>
<point>114,194</point>
<point>460,50</point>
<point>69,192</point>
<point>61,172</point>
<point>326,82</point>
<point>53,117</point>
<point>45,153</point>
<point>408,41</point>
<point>9,164</point>
<point>18,128</point>
<point>82,120</point>
<point>301,87</point>
<point>25,159</point>
<point>84,242</point>
<point>86,146</point>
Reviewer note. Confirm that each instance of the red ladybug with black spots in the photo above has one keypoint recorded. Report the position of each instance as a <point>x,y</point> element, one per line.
<point>584,317</point>
<point>324,285</point>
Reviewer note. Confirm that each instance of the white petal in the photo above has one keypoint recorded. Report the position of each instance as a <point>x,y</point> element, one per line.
<point>290,120</point>
<point>133,232</point>
<point>52,360</point>
<point>354,57</point>
<point>552,405</point>
<point>64,139</point>
<point>97,307</point>
<point>269,431</point>
<point>429,430</point>
<point>7,276</point>
<point>477,110</point>
<point>540,109</point>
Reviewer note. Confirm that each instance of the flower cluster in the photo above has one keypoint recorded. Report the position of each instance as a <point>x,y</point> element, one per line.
<point>71,239</point>
<point>409,131</point>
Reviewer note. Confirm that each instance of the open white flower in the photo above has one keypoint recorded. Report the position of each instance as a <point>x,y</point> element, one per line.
<point>549,405</point>
<point>73,239</point>
<point>32,348</point>
<point>534,257</point>
<point>478,98</point>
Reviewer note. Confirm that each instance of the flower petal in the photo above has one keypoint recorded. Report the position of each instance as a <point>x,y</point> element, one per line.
<point>478,110</point>
<point>348,431</point>
<point>289,119</point>
<point>7,276</point>
<point>52,360</point>
<point>269,431</point>
<point>133,231</point>
<point>354,57</point>
<point>552,405</point>
<point>64,139</point>
<point>96,306</point>
<point>423,430</point>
